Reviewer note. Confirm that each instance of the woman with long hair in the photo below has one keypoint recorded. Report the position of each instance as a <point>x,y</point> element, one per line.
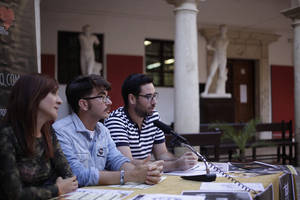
<point>32,163</point>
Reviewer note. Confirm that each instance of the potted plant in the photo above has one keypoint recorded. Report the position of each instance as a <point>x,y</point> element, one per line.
<point>240,137</point>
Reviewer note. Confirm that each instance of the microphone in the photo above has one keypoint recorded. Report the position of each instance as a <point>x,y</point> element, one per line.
<point>167,129</point>
<point>184,142</point>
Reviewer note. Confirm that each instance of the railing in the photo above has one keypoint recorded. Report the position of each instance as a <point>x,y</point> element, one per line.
<point>210,139</point>
<point>281,143</point>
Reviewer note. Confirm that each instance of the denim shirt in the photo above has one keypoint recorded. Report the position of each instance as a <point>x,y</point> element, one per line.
<point>87,156</point>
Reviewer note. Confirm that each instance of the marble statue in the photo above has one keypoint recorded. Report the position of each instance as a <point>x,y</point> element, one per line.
<point>87,55</point>
<point>218,44</point>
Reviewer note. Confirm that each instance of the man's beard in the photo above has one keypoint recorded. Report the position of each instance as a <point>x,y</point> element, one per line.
<point>142,113</point>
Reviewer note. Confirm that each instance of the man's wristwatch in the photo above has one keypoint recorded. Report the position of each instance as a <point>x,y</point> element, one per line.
<point>122,176</point>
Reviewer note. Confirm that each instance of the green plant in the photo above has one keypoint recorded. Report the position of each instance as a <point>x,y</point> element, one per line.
<point>239,136</point>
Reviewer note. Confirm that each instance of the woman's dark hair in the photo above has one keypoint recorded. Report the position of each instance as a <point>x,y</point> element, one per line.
<point>24,101</point>
<point>132,85</point>
<point>82,86</point>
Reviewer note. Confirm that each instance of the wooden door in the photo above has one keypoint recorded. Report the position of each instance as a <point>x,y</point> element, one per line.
<point>241,80</point>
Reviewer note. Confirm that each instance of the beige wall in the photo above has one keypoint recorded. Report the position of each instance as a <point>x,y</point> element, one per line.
<point>126,23</point>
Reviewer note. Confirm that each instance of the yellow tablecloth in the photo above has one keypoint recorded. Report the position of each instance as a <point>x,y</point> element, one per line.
<point>175,185</point>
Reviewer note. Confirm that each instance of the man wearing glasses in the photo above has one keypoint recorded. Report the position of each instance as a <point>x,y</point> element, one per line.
<point>87,144</point>
<point>132,128</point>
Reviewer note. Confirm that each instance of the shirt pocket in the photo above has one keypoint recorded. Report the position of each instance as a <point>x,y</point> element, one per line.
<point>83,158</point>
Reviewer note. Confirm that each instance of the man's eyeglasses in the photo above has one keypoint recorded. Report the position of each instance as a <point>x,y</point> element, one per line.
<point>105,99</point>
<point>149,97</point>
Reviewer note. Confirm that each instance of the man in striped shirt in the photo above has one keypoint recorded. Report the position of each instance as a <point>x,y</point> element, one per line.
<point>132,129</point>
<point>87,144</point>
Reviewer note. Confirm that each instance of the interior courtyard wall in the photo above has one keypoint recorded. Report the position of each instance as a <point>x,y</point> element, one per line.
<point>254,45</point>
<point>124,34</point>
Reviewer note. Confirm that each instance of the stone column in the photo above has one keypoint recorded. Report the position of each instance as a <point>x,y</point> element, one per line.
<point>38,34</point>
<point>294,14</point>
<point>265,87</point>
<point>186,82</point>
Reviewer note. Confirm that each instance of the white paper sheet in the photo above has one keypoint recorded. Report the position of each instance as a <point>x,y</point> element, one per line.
<point>243,93</point>
<point>220,195</point>
<point>91,194</point>
<point>165,197</point>
<point>131,185</point>
<point>230,186</point>
<point>199,169</point>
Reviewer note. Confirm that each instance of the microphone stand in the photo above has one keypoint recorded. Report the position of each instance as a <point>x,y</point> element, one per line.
<point>199,156</point>
<point>178,139</point>
<point>208,177</point>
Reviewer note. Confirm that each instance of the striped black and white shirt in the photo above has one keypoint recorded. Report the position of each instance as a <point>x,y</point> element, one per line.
<point>126,133</point>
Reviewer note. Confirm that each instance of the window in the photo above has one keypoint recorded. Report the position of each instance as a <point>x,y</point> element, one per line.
<point>160,61</point>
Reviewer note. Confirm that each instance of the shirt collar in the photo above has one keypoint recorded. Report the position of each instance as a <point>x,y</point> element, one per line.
<point>130,120</point>
<point>79,126</point>
<point>128,116</point>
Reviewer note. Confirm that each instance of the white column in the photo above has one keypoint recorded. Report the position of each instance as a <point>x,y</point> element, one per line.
<point>294,14</point>
<point>38,34</point>
<point>186,82</point>
<point>265,87</point>
<point>296,25</point>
